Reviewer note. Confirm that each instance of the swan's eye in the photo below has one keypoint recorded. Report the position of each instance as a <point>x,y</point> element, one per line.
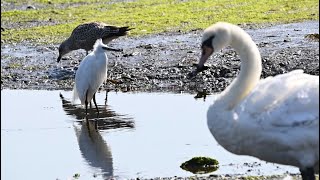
<point>208,42</point>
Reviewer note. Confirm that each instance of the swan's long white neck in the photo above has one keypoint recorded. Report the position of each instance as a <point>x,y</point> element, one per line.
<point>250,69</point>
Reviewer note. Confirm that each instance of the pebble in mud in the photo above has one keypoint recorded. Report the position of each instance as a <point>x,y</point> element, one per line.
<point>31,7</point>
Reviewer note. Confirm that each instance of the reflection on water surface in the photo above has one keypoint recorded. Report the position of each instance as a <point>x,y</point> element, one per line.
<point>43,136</point>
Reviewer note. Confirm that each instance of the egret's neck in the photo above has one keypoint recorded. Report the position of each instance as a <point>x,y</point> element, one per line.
<point>250,69</point>
<point>100,53</point>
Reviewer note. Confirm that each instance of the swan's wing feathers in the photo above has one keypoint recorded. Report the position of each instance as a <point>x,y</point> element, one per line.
<point>302,108</point>
<point>285,100</point>
<point>269,92</point>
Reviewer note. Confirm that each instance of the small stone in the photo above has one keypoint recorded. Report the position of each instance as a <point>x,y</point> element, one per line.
<point>286,40</point>
<point>31,7</point>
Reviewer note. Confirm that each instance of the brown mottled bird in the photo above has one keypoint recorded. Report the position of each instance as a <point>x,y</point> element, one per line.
<point>85,35</point>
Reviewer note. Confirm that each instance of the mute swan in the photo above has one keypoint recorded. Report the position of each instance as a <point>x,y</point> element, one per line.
<point>274,119</point>
<point>91,74</point>
<point>85,35</point>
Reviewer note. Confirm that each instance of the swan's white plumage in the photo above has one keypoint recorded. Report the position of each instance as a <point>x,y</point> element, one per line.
<point>286,100</point>
<point>274,119</point>
<point>91,73</point>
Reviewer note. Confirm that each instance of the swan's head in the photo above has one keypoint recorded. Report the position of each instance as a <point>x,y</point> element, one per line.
<point>214,38</point>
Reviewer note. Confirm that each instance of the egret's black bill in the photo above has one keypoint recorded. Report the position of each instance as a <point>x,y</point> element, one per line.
<point>111,49</point>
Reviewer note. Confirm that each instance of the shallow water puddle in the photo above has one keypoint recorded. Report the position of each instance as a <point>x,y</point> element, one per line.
<point>140,135</point>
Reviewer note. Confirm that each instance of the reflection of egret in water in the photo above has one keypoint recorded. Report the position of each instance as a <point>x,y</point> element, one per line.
<point>93,147</point>
<point>108,119</point>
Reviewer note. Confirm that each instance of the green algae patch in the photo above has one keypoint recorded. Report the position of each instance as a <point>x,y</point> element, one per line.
<point>313,37</point>
<point>200,165</point>
<point>76,176</point>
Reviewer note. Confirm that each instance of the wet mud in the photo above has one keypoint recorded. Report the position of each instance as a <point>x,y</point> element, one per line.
<point>161,62</point>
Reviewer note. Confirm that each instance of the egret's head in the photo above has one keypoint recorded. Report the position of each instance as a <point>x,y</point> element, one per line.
<point>98,46</point>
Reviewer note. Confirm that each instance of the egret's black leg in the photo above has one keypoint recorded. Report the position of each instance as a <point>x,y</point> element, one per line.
<point>307,174</point>
<point>96,124</point>
<point>95,103</point>
<point>86,104</point>
<point>106,88</point>
<point>105,101</point>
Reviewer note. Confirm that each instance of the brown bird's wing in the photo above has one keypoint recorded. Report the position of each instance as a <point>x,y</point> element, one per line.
<point>85,35</point>
<point>112,32</point>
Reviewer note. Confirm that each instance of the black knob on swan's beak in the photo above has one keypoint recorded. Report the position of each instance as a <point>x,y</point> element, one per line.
<point>196,71</point>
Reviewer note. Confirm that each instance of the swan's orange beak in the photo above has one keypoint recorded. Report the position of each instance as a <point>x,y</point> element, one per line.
<point>206,53</point>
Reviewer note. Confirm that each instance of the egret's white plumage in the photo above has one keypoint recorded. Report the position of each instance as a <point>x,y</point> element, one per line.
<point>91,74</point>
<point>274,119</point>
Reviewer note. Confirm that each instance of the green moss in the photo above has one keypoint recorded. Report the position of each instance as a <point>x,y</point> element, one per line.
<point>14,65</point>
<point>31,68</point>
<point>76,175</point>
<point>200,165</point>
<point>148,17</point>
<point>253,177</point>
<point>314,37</point>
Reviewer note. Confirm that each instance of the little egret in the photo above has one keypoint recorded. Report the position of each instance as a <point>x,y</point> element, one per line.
<point>91,74</point>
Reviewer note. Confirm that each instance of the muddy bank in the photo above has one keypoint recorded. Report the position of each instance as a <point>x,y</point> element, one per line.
<point>229,177</point>
<point>161,62</point>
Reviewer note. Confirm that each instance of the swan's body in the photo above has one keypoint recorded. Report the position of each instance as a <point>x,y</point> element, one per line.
<point>91,74</point>
<point>275,119</point>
